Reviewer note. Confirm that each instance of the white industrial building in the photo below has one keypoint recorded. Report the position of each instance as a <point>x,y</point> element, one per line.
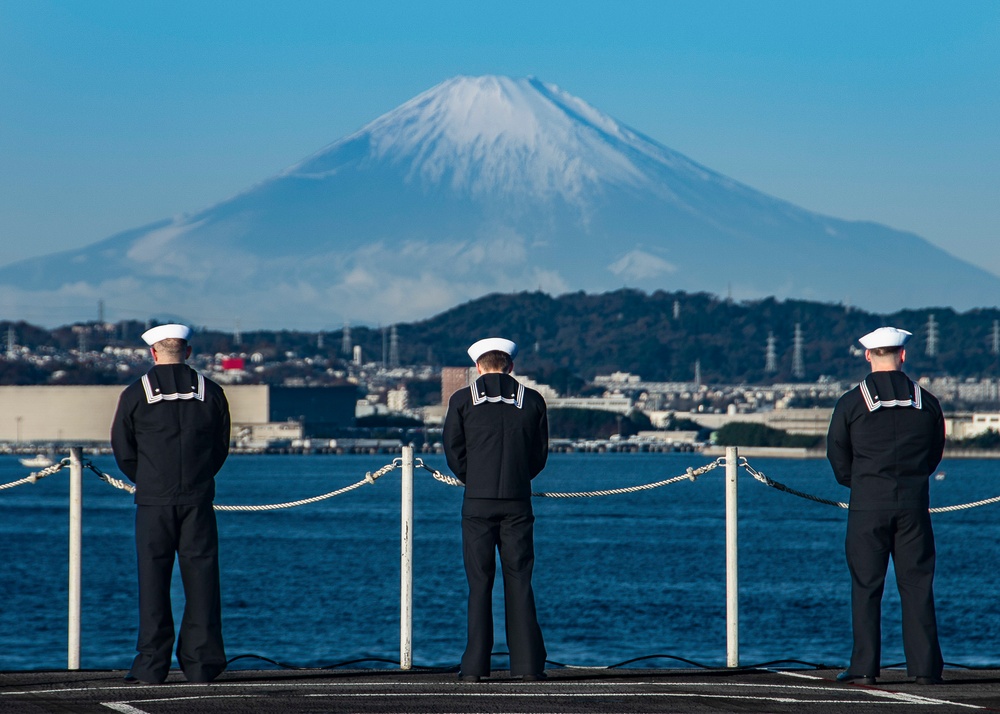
<point>82,414</point>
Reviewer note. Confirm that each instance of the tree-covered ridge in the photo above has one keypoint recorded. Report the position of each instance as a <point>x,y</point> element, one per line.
<point>567,340</point>
<point>747,434</point>
<point>577,336</point>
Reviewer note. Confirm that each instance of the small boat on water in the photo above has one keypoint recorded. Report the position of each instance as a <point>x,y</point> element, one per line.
<point>38,461</point>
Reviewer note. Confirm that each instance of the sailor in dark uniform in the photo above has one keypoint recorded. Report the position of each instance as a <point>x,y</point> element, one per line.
<point>170,437</point>
<point>886,439</point>
<point>496,439</point>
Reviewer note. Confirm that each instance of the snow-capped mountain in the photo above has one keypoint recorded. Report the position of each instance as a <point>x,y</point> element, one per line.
<point>485,184</point>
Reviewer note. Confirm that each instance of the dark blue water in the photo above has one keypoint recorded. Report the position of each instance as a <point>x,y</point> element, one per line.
<point>615,577</point>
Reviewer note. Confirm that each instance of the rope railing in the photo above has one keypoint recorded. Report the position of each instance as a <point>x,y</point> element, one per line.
<point>370,478</point>
<point>760,477</point>
<point>961,506</point>
<point>35,476</point>
<point>732,461</point>
<point>782,487</point>
<point>691,474</point>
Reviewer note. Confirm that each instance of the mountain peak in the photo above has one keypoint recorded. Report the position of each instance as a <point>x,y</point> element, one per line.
<point>489,134</point>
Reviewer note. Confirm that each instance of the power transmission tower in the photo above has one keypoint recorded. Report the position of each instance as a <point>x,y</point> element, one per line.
<point>771,362</point>
<point>393,347</point>
<point>346,347</point>
<point>932,336</point>
<point>798,363</point>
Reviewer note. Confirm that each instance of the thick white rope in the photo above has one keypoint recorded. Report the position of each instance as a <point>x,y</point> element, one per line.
<point>32,478</point>
<point>36,475</point>
<point>690,475</point>
<point>370,477</point>
<point>840,504</point>
<point>959,507</point>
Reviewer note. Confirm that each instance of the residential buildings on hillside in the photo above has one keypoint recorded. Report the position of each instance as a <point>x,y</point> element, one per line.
<point>420,394</point>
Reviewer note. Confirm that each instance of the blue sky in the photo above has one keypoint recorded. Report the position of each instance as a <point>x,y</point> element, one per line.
<point>115,113</point>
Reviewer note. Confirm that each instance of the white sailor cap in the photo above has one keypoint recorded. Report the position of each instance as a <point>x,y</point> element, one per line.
<point>164,332</point>
<point>885,337</point>
<point>490,344</point>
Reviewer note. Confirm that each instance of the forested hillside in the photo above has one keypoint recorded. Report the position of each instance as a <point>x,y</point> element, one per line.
<point>567,340</point>
<point>577,336</point>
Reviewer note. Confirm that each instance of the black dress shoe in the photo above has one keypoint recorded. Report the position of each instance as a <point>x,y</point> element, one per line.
<point>470,677</point>
<point>537,677</point>
<point>132,679</point>
<point>929,680</point>
<point>846,677</point>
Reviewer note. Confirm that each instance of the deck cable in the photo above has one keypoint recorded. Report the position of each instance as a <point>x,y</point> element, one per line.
<point>760,477</point>
<point>337,665</point>
<point>617,665</point>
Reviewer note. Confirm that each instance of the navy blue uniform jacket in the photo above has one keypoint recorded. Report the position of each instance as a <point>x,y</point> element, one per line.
<point>170,436</point>
<point>496,437</point>
<point>886,438</point>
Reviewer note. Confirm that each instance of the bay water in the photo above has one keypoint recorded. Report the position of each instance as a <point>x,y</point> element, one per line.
<point>640,575</point>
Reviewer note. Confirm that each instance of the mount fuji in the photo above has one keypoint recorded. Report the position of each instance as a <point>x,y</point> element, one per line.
<point>480,185</point>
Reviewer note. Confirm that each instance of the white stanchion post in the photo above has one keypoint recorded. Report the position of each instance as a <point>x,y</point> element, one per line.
<point>406,564</point>
<point>732,562</point>
<point>75,551</point>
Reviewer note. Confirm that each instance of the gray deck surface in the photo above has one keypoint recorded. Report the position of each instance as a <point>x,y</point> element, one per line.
<point>566,690</point>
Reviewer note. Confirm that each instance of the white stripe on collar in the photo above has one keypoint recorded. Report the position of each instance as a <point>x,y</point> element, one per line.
<point>152,398</point>
<point>873,402</point>
<point>517,400</point>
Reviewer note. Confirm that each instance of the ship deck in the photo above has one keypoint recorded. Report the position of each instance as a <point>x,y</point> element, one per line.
<point>566,690</point>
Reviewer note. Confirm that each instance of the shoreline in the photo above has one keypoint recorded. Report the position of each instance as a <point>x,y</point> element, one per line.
<point>777,452</point>
<point>782,452</point>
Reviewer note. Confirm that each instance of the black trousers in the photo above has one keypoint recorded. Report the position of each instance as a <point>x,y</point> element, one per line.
<point>489,525</point>
<point>907,536</point>
<point>191,533</point>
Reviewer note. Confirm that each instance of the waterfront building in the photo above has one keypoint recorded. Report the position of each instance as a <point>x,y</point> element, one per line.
<point>82,414</point>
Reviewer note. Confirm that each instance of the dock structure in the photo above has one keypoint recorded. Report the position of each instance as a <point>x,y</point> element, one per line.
<point>566,690</point>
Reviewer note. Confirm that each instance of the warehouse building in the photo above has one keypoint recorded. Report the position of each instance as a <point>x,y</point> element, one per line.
<point>82,414</point>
